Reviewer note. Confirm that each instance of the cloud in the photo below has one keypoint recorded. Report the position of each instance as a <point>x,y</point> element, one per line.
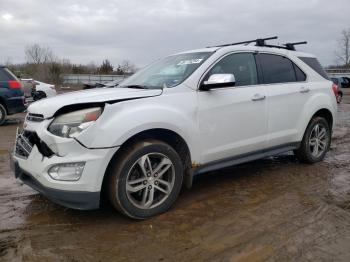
<point>143,31</point>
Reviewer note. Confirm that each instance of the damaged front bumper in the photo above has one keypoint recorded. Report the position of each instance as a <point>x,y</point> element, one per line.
<point>72,199</point>
<point>33,157</point>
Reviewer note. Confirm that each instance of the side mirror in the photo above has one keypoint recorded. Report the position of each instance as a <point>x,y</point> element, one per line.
<point>219,81</point>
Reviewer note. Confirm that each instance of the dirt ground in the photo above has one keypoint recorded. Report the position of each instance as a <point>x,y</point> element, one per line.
<point>274,209</point>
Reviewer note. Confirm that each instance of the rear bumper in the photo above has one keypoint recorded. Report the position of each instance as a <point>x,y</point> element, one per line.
<point>15,105</point>
<point>71,199</point>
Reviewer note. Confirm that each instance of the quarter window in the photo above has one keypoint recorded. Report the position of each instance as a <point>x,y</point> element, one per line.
<point>300,75</point>
<point>315,65</point>
<point>241,65</point>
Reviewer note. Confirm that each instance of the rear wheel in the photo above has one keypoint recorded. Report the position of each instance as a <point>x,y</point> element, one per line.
<point>316,141</point>
<point>3,114</point>
<point>146,179</point>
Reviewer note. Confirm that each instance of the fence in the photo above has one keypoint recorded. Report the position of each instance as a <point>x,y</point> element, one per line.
<point>338,72</point>
<point>86,78</point>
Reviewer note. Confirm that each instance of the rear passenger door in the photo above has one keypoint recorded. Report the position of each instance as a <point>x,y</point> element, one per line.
<point>287,92</point>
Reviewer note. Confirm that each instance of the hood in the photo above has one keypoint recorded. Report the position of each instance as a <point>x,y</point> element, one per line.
<point>49,106</point>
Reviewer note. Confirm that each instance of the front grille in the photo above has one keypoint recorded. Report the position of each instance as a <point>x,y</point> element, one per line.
<point>23,146</point>
<point>25,142</point>
<point>35,117</point>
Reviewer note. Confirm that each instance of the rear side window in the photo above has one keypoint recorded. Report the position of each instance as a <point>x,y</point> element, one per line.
<point>276,69</point>
<point>315,65</point>
<point>6,75</point>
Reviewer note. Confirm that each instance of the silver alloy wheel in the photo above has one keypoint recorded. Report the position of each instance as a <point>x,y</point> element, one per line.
<point>318,140</point>
<point>150,180</point>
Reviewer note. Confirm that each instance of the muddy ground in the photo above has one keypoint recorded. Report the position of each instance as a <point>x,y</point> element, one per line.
<point>270,210</point>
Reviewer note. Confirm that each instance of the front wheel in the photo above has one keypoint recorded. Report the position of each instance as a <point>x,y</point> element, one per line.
<point>316,141</point>
<point>145,180</point>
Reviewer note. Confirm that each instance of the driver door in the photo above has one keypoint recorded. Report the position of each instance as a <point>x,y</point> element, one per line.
<point>233,120</point>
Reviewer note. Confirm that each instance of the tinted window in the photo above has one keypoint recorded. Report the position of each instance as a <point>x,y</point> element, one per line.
<point>241,65</point>
<point>300,75</point>
<point>315,65</point>
<point>345,80</point>
<point>6,75</point>
<point>277,69</point>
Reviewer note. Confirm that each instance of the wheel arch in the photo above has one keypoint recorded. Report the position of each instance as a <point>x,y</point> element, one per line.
<point>325,113</point>
<point>165,135</point>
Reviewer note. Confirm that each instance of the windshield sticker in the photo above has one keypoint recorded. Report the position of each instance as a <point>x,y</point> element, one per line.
<point>190,62</point>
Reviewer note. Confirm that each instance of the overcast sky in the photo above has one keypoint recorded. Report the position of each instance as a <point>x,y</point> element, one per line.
<point>142,31</point>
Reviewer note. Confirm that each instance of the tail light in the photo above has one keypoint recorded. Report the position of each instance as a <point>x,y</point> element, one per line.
<point>335,89</point>
<point>13,84</point>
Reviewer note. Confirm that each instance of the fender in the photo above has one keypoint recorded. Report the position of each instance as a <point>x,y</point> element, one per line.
<point>317,102</point>
<point>121,121</point>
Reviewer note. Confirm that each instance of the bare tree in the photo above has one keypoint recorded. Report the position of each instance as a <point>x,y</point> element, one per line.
<point>36,54</point>
<point>127,67</point>
<point>343,53</point>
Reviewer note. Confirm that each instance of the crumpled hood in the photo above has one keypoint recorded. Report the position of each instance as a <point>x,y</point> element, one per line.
<point>49,106</point>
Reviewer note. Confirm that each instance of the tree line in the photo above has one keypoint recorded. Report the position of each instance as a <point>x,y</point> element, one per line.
<point>342,52</point>
<point>42,64</point>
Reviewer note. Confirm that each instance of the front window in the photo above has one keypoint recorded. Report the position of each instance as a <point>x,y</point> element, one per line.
<point>241,65</point>
<point>167,72</point>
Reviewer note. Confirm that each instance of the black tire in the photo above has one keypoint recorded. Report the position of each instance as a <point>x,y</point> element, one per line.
<point>304,152</point>
<point>3,114</point>
<point>122,169</point>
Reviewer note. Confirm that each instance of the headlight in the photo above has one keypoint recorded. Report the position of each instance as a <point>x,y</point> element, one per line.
<point>72,124</point>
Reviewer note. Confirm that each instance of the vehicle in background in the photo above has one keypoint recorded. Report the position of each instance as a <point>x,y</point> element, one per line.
<point>28,84</point>
<point>341,81</point>
<point>12,99</point>
<point>338,84</point>
<point>111,84</point>
<point>43,90</point>
<point>92,85</point>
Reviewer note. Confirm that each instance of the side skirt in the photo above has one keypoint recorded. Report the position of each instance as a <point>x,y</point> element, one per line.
<point>232,161</point>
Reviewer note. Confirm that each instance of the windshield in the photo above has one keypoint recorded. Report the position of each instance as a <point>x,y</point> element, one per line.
<point>167,72</point>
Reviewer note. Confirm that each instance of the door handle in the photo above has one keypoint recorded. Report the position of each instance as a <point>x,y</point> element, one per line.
<point>304,90</point>
<point>258,97</point>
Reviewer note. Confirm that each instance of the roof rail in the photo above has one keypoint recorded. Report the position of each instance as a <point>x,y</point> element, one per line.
<point>262,42</point>
<point>259,42</point>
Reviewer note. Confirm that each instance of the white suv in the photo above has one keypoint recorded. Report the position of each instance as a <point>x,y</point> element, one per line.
<point>183,115</point>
